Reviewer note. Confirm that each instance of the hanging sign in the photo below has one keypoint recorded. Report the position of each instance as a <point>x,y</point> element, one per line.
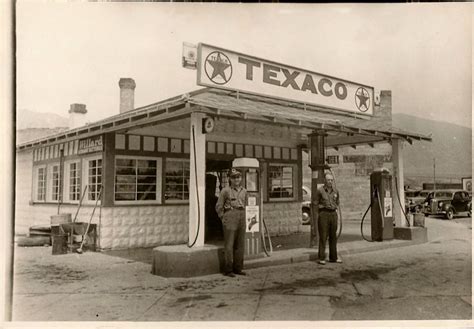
<point>221,68</point>
<point>89,145</point>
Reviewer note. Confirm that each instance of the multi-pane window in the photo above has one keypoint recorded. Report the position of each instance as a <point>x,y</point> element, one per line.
<point>177,180</point>
<point>41,184</point>
<point>280,181</point>
<point>74,182</point>
<point>135,179</point>
<point>55,183</point>
<point>333,159</point>
<point>94,174</point>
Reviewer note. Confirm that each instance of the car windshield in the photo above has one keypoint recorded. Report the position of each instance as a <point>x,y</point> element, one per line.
<point>444,194</point>
<point>411,194</point>
<point>424,193</point>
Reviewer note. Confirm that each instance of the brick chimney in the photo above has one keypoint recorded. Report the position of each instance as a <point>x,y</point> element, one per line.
<point>77,115</point>
<point>383,111</point>
<point>127,94</point>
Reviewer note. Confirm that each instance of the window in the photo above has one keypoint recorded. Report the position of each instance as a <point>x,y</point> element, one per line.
<point>74,190</point>
<point>280,181</point>
<point>177,180</point>
<point>93,177</point>
<point>136,179</point>
<point>55,182</point>
<point>333,159</point>
<point>40,190</point>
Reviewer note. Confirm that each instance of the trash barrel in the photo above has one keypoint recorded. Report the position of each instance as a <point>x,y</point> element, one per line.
<point>59,242</point>
<point>419,220</point>
<point>61,218</point>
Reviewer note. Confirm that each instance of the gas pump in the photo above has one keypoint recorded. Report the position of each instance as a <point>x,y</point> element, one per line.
<point>249,167</point>
<point>382,205</point>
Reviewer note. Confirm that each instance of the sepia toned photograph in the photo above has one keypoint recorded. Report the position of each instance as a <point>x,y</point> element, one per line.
<point>208,163</point>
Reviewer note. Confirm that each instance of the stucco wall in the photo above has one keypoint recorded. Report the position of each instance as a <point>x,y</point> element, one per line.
<point>23,181</point>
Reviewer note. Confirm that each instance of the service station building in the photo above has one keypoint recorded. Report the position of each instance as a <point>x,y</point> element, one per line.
<point>158,169</point>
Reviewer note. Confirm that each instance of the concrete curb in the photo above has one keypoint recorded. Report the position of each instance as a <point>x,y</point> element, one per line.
<point>299,255</point>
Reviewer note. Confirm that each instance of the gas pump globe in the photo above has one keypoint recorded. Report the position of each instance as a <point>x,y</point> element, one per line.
<point>250,169</point>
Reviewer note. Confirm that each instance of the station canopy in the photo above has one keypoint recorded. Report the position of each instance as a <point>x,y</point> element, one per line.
<point>343,129</point>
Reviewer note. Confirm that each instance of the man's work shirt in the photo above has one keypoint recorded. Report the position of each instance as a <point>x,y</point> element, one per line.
<point>231,198</point>
<point>326,199</point>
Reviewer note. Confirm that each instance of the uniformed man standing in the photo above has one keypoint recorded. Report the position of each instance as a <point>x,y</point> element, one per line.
<point>231,209</point>
<point>326,204</point>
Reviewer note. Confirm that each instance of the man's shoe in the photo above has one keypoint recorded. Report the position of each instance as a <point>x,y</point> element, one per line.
<point>230,274</point>
<point>240,273</point>
<point>322,262</point>
<point>339,261</point>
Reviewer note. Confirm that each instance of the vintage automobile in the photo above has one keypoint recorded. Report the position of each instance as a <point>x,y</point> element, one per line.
<point>306,205</point>
<point>448,203</point>
<point>414,200</point>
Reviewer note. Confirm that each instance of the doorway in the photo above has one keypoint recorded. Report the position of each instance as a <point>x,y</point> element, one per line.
<point>216,180</point>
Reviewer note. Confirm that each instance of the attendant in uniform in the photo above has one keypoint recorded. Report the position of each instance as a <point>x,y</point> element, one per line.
<point>326,204</point>
<point>231,209</point>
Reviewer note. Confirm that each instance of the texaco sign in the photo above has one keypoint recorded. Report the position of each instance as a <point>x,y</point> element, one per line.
<point>221,68</point>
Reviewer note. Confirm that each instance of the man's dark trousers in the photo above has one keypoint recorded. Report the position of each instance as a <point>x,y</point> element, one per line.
<point>327,226</point>
<point>234,240</point>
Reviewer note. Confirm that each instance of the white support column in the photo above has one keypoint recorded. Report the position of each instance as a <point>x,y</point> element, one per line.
<point>397,181</point>
<point>197,166</point>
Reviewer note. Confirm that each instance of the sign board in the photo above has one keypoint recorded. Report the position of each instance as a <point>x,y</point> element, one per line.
<point>467,184</point>
<point>221,68</point>
<point>91,144</point>
<point>387,209</point>
<point>252,219</point>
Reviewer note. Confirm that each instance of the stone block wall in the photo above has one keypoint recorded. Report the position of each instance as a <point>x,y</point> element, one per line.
<point>352,175</point>
<point>144,226</point>
<point>282,218</point>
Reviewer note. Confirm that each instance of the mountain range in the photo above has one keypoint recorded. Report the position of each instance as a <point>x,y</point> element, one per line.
<point>449,155</point>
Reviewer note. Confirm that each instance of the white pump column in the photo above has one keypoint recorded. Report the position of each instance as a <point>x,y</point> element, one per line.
<point>197,166</point>
<point>397,181</point>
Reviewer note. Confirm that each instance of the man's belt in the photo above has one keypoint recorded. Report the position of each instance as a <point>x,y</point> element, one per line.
<point>327,209</point>
<point>234,208</point>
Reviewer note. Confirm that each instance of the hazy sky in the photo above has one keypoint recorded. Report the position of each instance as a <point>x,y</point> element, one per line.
<point>76,52</point>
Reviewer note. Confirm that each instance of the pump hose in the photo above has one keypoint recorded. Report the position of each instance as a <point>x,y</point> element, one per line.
<point>362,224</point>
<point>339,217</point>
<point>265,227</point>
<point>400,202</point>
<point>197,191</point>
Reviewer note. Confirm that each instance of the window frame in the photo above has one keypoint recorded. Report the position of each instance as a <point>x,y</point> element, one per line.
<point>50,181</point>
<point>164,181</point>
<point>159,180</point>
<point>35,183</point>
<point>294,183</point>
<point>66,181</point>
<point>85,177</point>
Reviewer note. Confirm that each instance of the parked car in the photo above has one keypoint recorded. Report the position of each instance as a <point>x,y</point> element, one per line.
<point>306,205</point>
<point>448,203</point>
<point>414,200</point>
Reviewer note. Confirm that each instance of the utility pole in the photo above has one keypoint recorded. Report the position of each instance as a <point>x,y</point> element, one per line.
<point>434,173</point>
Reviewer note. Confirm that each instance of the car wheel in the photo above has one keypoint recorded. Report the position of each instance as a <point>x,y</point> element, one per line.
<point>306,217</point>
<point>450,213</point>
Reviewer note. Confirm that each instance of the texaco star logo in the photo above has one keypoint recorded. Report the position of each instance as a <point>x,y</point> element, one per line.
<point>218,68</point>
<point>362,99</point>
